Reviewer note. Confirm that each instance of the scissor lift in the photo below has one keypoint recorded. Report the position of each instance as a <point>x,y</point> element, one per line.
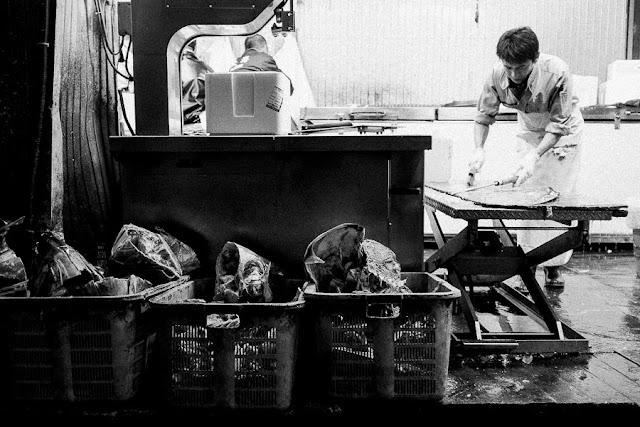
<point>488,256</point>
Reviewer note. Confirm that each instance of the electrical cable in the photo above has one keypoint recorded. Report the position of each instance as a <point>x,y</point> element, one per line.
<point>106,46</point>
<point>121,100</point>
<point>126,58</point>
<point>100,14</point>
<point>110,51</point>
<point>115,68</point>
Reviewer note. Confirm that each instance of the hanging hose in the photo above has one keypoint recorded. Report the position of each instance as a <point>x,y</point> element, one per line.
<point>41,112</point>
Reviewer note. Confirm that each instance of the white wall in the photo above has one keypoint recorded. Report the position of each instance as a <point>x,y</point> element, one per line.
<point>432,52</point>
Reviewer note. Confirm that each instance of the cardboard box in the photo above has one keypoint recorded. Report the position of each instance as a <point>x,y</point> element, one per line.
<point>247,103</point>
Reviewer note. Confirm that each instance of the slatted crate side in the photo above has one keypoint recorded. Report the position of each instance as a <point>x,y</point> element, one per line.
<point>75,350</point>
<point>251,366</point>
<point>404,356</point>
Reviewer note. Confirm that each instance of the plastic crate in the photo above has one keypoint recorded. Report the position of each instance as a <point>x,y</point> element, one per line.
<point>75,349</point>
<point>386,346</point>
<point>250,365</point>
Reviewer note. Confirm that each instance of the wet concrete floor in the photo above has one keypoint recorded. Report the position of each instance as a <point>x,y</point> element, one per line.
<point>600,301</point>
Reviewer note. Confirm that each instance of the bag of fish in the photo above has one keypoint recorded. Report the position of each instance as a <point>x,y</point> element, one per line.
<point>145,254</point>
<point>60,269</point>
<point>342,260</point>
<point>243,276</point>
<point>184,254</point>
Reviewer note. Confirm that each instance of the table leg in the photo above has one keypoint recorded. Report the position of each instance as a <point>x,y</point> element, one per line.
<point>465,304</point>
<point>570,239</point>
<point>501,229</point>
<point>475,257</point>
<point>541,302</point>
<point>446,252</point>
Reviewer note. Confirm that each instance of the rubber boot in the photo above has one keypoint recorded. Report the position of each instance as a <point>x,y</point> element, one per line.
<point>553,277</point>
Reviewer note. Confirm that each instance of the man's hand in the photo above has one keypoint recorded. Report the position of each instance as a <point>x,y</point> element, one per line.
<point>525,168</point>
<point>477,160</point>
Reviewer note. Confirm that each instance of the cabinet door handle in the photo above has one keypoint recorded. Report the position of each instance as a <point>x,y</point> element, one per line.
<point>404,191</point>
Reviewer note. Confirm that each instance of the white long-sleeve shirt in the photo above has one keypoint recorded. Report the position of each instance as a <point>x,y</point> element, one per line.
<point>549,96</point>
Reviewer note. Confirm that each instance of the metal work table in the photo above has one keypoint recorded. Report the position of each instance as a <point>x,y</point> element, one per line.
<point>276,193</point>
<point>488,255</point>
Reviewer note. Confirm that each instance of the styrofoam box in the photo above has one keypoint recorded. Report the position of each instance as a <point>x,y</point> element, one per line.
<point>586,87</point>
<point>255,103</point>
<point>620,90</point>
<point>623,68</point>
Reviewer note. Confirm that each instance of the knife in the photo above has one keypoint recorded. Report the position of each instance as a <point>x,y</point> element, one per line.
<point>322,126</point>
<point>509,180</point>
<point>549,197</point>
<point>472,177</point>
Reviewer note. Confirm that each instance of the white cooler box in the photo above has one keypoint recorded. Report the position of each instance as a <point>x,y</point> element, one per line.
<point>247,103</point>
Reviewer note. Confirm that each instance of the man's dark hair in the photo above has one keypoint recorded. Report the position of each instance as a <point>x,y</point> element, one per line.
<point>518,45</point>
<point>255,41</point>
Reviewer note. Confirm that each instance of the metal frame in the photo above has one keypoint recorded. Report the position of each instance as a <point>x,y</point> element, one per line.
<point>161,29</point>
<point>470,262</point>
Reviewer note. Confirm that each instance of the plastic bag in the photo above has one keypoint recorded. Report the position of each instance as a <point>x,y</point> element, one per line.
<point>59,268</point>
<point>186,256</point>
<point>12,269</point>
<point>380,271</point>
<point>341,260</point>
<point>143,253</point>
<point>115,286</point>
<point>329,258</point>
<point>243,276</point>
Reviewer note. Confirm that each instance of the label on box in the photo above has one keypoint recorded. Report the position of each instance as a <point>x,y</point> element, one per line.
<point>275,100</point>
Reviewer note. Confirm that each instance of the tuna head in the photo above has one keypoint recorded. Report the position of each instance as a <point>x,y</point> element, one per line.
<point>330,256</point>
<point>380,271</point>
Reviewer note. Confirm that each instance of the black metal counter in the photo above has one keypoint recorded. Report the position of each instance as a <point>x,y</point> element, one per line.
<point>274,194</point>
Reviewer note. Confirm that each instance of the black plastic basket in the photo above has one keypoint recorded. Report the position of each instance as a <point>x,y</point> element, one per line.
<point>250,364</point>
<point>387,346</point>
<point>75,349</point>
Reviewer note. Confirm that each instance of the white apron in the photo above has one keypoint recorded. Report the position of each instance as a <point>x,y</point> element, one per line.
<point>557,168</point>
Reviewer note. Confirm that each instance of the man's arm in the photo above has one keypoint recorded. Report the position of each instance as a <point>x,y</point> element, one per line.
<point>548,141</point>
<point>561,105</point>
<point>488,107</point>
<point>480,133</point>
